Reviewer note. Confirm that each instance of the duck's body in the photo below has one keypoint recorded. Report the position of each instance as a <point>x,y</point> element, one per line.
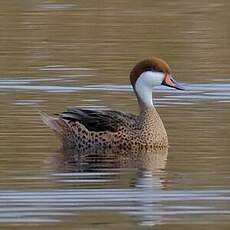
<point>87,129</point>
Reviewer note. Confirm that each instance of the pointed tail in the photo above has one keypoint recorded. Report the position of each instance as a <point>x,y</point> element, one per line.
<point>59,126</point>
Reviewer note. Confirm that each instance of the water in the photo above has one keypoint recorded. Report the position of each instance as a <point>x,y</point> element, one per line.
<point>55,54</point>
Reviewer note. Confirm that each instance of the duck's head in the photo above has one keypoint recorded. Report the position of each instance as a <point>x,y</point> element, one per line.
<point>149,73</point>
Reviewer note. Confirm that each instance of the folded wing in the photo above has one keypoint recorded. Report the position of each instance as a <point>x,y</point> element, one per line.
<point>104,120</point>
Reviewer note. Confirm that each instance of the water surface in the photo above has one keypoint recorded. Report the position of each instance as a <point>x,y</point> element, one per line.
<point>55,54</point>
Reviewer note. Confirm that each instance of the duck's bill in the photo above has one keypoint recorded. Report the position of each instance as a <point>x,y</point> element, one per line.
<point>171,82</point>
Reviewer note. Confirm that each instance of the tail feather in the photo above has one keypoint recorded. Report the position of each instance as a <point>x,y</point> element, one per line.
<point>56,124</point>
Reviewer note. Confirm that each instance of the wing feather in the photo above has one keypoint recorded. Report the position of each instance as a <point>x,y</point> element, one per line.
<point>104,120</point>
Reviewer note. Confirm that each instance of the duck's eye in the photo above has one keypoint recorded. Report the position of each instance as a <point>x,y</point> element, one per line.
<point>153,69</point>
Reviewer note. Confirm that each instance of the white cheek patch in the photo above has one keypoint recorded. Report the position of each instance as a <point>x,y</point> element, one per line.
<point>151,78</point>
<point>145,83</point>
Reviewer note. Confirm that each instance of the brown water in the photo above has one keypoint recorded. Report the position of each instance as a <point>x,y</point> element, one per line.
<point>55,54</point>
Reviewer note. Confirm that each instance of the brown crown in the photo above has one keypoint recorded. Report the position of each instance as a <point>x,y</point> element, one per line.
<point>149,64</point>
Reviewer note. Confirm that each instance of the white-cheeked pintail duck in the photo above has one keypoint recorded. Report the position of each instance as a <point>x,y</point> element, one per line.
<point>85,130</point>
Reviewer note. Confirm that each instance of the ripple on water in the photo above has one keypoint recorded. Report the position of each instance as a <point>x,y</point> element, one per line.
<point>145,203</point>
<point>217,91</point>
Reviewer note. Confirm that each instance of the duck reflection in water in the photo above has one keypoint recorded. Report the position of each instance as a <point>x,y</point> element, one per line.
<point>127,181</point>
<point>146,159</point>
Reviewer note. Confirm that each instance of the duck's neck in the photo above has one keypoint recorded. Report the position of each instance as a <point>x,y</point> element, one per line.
<point>148,112</point>
<point>144,85</point>
<point>152,126</point>
<point>144,97</point>
<point>150,121</point>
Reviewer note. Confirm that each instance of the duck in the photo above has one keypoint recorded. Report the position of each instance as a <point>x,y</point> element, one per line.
<point>87,130</point>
